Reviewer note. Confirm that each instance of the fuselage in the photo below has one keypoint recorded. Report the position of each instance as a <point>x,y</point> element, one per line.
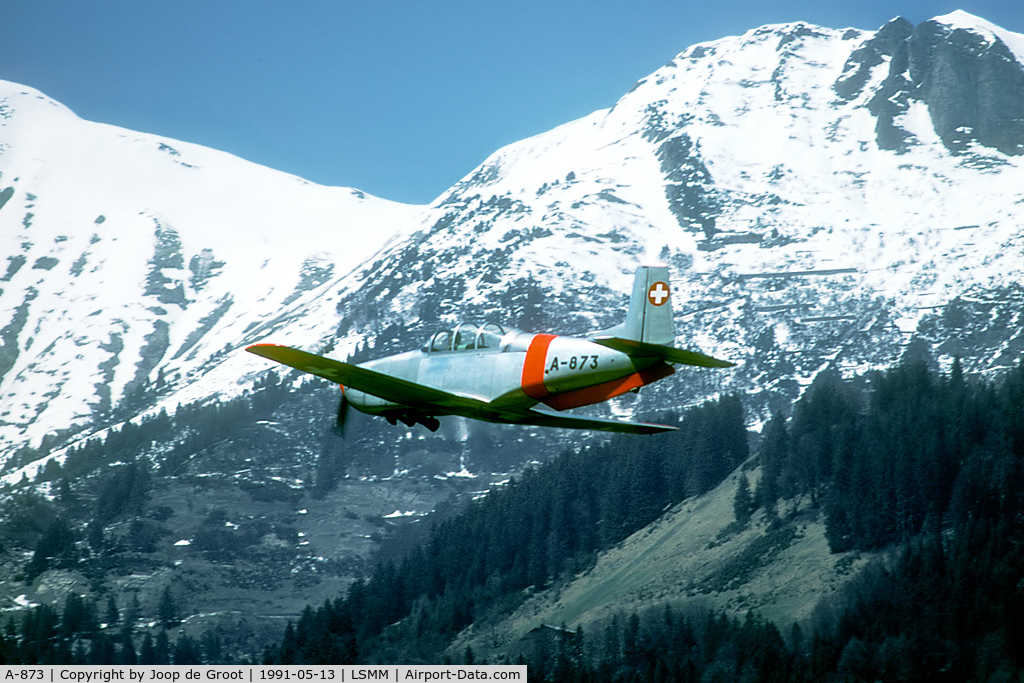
<point>512,368</point>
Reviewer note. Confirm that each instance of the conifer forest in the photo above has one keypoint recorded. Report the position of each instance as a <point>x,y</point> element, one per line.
<point>923,470</point>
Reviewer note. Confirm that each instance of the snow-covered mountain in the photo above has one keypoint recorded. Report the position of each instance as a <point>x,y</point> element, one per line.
<point>818,193</point>
<point>821,195</point>
<point>133,263</point>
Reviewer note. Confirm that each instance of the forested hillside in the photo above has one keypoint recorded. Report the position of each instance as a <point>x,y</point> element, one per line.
<point>522,537</point>
<point>518,539</point>
<point>920,454</point>
<point>922,465</point>
<point>207,520</point>
<point>923,468</point>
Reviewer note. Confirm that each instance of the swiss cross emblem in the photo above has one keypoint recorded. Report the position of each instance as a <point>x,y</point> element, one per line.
<point>658,293</point>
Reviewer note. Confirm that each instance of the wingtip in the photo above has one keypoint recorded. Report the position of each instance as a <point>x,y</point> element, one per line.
<point>263,349</point>
<point>658,429</point>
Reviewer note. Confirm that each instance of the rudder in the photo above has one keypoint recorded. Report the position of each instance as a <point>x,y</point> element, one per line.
<point>649,319</point>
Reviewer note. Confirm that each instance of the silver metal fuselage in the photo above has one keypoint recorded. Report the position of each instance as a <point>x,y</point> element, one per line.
<point>523,370</point>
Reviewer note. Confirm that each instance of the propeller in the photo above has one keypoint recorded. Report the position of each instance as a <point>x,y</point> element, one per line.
<point>339,424</point>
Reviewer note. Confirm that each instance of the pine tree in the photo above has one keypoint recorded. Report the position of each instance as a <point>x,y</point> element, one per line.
<point>102,651</point>
<point>162,648</point>
<point>127,654</point>
<point>78,617</point>
<point>133,612</point>
<point>212,648</point>
<point>185,651</point>
<point>147,655</point>
<point>288,652</point>
<point>743,503</point>
<point>773,454</point>
<point>167,610</point>
<point>57,545</point>
<point>111,615</point>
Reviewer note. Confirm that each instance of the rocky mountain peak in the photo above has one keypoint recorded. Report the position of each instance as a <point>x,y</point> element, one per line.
<point>969,73</point>
<point>972,82</point>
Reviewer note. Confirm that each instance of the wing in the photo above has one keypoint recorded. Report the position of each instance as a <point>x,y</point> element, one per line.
<point>666,353</point>
<point>432,400</point>
<point>378,384</point>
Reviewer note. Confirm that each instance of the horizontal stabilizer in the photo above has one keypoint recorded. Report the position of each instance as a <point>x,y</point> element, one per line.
<point>549,418</point>
<point>669,354</point>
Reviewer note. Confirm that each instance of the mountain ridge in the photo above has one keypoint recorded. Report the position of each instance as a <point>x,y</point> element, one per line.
<point>855,237</point>
<point>683,168</point>
<point>129,240</point>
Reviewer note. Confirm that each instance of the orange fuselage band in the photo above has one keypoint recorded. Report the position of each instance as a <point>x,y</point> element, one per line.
<point>533,366</point>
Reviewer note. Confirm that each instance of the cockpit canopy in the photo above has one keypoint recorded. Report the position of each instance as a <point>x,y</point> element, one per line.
<point>468,337</point>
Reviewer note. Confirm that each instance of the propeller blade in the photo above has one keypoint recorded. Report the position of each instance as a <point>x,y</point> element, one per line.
<point>339,424</point>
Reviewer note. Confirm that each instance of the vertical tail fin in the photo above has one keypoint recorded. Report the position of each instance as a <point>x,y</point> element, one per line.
<point>648,330</point>
<point>649,319</point>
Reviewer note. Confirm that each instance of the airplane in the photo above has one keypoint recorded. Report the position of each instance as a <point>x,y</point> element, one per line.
<point>498,374</point>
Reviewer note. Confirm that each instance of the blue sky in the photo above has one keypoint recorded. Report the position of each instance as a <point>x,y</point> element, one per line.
<point>399,98</point>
